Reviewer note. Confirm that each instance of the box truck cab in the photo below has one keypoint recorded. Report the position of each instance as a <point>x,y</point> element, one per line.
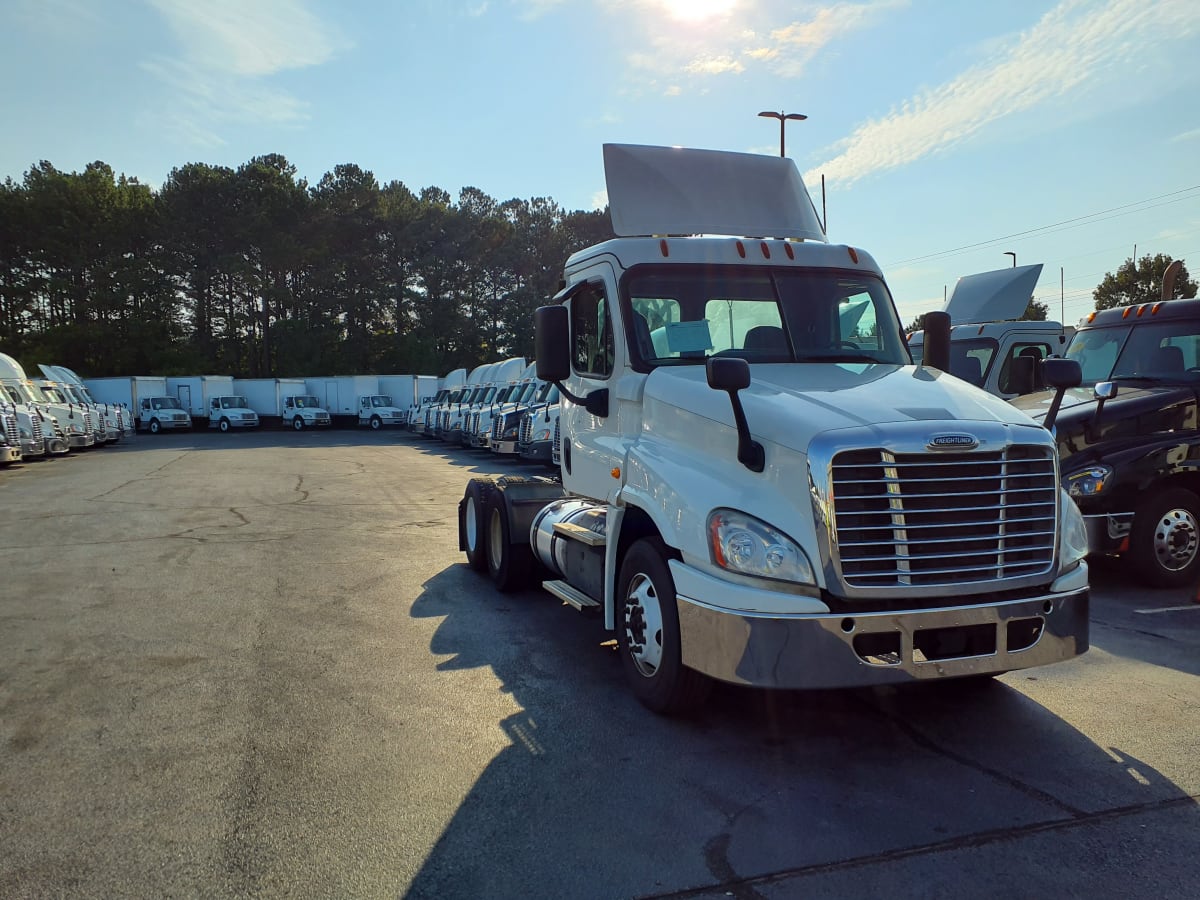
<point>302,411</point>
<point>377,410</point>
<point>753,490</point>
<point>227,411</point>
<point>989,345</point>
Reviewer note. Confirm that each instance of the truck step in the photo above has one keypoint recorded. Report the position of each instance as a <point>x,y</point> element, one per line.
<point>568,594</point>
<point>579,533</point>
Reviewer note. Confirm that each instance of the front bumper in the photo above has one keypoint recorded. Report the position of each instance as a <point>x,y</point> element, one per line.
<point>828,650</point>
<point>539,451</point>
<point>9,454</point>
<point>76,441</point>
<point>1107,531</point>
<point>505,448</point>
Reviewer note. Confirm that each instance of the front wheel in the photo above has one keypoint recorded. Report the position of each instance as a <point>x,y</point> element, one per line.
<point>376,423</point>
<point>1164,544</point>
<point>155,428</point>
<point>297,424</point>
<point>648,633</point>
<point>224,425</point>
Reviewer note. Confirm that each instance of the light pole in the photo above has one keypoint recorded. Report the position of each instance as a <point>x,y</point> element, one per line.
<point>783,118</point>
<point>1013,255</point>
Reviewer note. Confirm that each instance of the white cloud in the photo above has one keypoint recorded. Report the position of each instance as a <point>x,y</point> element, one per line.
<point>600,199</point>
<point>228,49</point>
<point>250,38</point>
<point>1075,44</point>
<point>530,10</point>
<point>1192,135</point>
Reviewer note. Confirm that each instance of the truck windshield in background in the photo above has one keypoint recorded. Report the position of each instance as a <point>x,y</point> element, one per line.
<point>1167,350</point>
<point>165,403</point>
<point>683,314</point>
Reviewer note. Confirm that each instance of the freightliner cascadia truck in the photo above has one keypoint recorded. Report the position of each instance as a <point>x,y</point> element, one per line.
<point>756,485</point>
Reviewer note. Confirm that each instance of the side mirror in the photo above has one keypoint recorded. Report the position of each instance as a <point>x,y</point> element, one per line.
<point>731,374</point>
<point>1060,374</point>
<point>937,341</point>
<point>552,339</point>
<point>1021,374</point>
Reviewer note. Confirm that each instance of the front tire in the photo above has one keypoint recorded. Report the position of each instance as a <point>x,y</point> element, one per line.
<point>297,424</point>
<point>376,423</point>
<point>509,564</point>
<point>472,519</point>
<point>155,427</point>
<point>224,425</point>
<point>1164,544</point>
<point>648,633</point>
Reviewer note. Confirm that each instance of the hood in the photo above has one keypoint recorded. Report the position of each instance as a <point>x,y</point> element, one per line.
<point>790,403</point>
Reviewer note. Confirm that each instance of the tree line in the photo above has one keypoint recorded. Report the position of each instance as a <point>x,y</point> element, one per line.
<point>254,272</point>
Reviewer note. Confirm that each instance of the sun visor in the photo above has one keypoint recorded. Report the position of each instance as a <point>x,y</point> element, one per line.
<point>997,296</point>
<point>672,190</point>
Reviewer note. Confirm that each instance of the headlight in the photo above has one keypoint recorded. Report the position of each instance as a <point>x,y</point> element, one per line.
<point>1072,539</point>
<point>1089,482</point>
<point>743,544</point>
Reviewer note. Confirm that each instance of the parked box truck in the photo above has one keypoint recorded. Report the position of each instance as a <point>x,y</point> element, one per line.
<point>154,408</point>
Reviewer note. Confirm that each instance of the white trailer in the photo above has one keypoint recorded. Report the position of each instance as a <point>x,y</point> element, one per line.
<point>754,488</point>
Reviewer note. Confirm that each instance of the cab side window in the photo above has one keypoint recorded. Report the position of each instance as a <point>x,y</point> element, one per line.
<point>591,332</point>
<point>1037,350</point>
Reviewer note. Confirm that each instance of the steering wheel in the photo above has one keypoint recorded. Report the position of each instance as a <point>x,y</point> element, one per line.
<point>849,345</point>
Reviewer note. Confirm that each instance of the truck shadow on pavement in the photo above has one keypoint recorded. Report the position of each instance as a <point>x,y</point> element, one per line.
<point>597,797</point>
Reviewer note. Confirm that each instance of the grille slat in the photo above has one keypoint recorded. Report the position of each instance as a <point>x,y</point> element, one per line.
<point>897,515</point>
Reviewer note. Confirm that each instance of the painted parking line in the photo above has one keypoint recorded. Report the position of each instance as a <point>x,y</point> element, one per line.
<point>1190,607</point>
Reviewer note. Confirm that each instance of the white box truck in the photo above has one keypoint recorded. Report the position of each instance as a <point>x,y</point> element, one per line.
<point>750,490</point>
<point>154,409</point>
<point>212,399</point>
<point>268,396</point>
<point>339,394</point>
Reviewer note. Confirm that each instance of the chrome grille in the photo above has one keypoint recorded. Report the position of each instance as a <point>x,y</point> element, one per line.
<point>497,428</point>
<point>906,519</point>
<point>474,423</point>
<point>525,435</point>
<point>35,425</point>
<point>555,452</point>
<point>12,434</point>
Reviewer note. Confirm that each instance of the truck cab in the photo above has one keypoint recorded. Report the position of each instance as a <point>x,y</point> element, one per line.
<point>231,411</point>
<point>378,410</point>
<point>157,414</point>
<point>304,411</point>
<point>10,438</point>
<point>990,347</point>
<point>756,485</point>
<point>1129,437</point>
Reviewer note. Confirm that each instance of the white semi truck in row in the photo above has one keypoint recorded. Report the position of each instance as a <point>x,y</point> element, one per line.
<point>58,424</point>
<point>755,487</point>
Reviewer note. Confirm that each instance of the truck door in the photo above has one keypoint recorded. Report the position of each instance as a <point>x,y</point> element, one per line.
<point>184,392</point>
<point>590,444</point>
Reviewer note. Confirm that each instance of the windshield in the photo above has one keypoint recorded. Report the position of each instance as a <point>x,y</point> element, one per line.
<point>543,392</point>
<point>53,394</point>
<point>1151,351</point>
<point>306,402</point>
<point>233,403</point>
<point>165,403</point>
<point>380,401</point>
<point>685,314</point>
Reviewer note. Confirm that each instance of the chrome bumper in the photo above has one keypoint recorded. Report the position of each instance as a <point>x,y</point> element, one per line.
<point>505,448</point>
<point>844,650</point>
<point>75,441</point>
<point>9,454</point>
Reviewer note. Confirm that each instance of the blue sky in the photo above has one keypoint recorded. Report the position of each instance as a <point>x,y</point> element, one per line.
<point>947,132</point>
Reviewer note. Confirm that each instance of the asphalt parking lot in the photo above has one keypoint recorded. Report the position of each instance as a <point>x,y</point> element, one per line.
<point>255,665</point>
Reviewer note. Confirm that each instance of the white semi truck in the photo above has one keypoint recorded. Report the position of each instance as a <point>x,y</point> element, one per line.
<point>751,493</point>
<point>989,345</point>
<point>116,419</point>
<point>10,437</point>
<point>61,419</point>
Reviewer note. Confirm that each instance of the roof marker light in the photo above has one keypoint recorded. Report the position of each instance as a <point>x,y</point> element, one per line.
<point>1128,310</point>
<point>1154,308</point>
<point>1091,317</point>
<point>790,252</point>
<point>741,248</point>
<point>853,254</point>
<point>766,250</point>
<point>662,245</point>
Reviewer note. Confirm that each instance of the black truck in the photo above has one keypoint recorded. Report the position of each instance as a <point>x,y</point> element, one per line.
<point>1129,436</point>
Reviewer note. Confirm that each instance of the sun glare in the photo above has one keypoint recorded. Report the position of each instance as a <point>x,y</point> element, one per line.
<point>698,10</point>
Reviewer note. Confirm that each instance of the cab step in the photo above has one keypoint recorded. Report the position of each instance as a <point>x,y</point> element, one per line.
<point>570,595</point>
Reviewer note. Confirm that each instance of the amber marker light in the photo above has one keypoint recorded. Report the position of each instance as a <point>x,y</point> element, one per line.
<point>616,473</point>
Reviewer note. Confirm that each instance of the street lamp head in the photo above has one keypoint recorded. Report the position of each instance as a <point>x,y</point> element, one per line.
<point>771,115</point>
<point>797,116</point>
